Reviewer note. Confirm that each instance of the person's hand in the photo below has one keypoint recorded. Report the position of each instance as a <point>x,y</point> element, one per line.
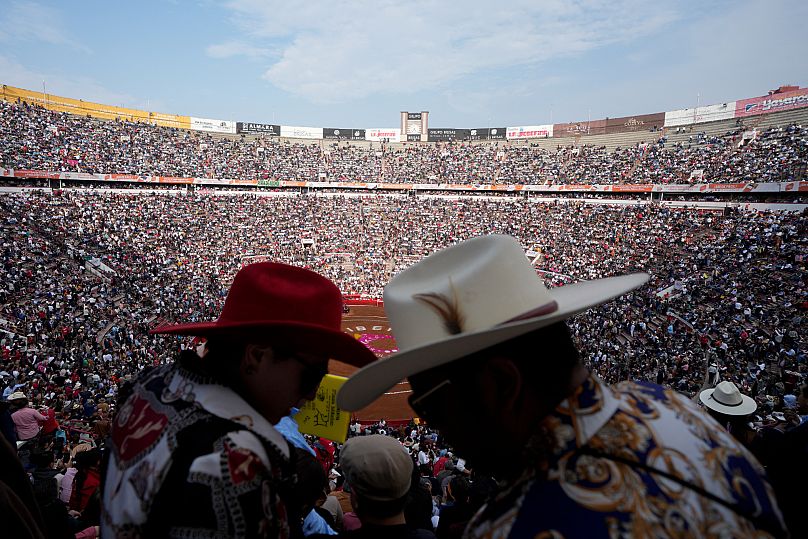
<point>74,514</point>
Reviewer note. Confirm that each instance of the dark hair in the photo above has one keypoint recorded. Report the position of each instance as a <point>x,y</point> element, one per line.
<point>41,458</point>
<point>482,489</point>
<point>311,480</point>
<point>223,361</point>
<point>83,462</point>
<point>418,506</point>
<point>461,488</point>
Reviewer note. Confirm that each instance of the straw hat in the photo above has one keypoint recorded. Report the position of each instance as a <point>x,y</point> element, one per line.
<point>727,399</point>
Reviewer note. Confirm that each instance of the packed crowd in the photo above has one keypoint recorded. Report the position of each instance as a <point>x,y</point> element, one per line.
<point>159,254</point>
<point>37,139</point>
<point>443,495</point>
<point>86,275</point>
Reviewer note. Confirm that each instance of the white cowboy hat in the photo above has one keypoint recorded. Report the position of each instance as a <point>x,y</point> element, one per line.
<point>17,395</point>
<point>494,291</point>
<point>727,399</point>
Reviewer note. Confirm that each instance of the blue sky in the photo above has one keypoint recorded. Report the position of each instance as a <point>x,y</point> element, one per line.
<point>357,64</point>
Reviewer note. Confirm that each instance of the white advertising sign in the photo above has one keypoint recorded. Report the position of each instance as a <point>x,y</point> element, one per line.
<point>709,113</point>
<point>290,131</point>
<point>383,133</point>
<point>529,131</point>
<point>214,126</point>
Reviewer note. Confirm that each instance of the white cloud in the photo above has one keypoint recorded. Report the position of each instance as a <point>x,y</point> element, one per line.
<point>332,51</point>
<point>30,21</point>
<point>230,49</point>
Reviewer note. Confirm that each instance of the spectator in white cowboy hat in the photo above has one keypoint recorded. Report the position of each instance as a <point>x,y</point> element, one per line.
<point>725,400</point>
<point>194,450</point>
<point>482,341</point>
<point>27,420</point>
<point>731,409</point>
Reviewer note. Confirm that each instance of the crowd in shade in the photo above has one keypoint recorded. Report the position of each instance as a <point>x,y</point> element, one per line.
<point>85,275</point>
<point>35,138</point>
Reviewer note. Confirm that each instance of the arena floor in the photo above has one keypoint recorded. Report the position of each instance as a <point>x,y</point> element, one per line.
<point>369,325</point>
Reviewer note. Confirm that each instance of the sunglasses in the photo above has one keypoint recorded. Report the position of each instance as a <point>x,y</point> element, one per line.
<point>312,373</point>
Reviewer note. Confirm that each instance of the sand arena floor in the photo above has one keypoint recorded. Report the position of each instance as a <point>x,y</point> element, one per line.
<point>369,324</point>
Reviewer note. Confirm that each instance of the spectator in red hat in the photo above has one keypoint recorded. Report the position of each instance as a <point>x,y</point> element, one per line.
<point>194,447</point>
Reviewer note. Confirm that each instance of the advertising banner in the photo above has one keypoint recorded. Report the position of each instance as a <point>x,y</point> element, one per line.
<point>629,124</point>
<point>213,126</point>
<point>448,134</point>
<point>413,137</point>
<point>487,133</point>
<point>497,133</point>
<point>413,115</point>
<point>710,113</point>
<point>529,131</point>
<point>170,120</point>
<point>334,133</point>
<point>383,133</point>
<point>94,110</point>
<point>289,131</point>
<point>271,130</point>
<point>576,129</point>
<point>771,103</point>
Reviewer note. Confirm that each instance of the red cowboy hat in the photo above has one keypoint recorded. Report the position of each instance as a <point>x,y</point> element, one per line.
<point>276,303</point>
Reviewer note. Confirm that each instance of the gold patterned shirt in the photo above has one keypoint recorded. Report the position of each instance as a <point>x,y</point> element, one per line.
<point>634,461</point>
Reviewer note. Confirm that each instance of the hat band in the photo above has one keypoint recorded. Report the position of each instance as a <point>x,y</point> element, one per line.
<point>547,308</point>
<point>712,396</point>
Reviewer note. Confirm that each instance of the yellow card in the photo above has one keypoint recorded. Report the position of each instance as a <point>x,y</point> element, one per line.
<point>321,416</point>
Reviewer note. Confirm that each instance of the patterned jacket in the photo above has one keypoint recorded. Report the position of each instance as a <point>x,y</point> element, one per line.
<point>190,458</point>
<point>634,461</point>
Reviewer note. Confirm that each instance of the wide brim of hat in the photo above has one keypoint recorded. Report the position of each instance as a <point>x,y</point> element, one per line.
<point>300,336</point>
<point>370,382</point>
<point>748,406</point>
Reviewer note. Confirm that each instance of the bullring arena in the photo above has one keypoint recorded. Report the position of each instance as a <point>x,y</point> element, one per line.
<point>146,216</point>
<point>369,325</point>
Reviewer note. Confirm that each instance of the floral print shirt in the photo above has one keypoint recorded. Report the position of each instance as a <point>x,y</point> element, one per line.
<point>634,461</point>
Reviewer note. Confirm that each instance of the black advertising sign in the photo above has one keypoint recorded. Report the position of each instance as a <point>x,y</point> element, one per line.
<point>497,133</point>
<point>413,137</point>
<point>413,115</point>
<point>339,133</point>
<point>266,129</point>
<point>448,134</point>
<point>487,133</point>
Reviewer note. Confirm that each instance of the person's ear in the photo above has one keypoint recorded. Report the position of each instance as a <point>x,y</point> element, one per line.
<point>253,356</point>
<point>507,382</point>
